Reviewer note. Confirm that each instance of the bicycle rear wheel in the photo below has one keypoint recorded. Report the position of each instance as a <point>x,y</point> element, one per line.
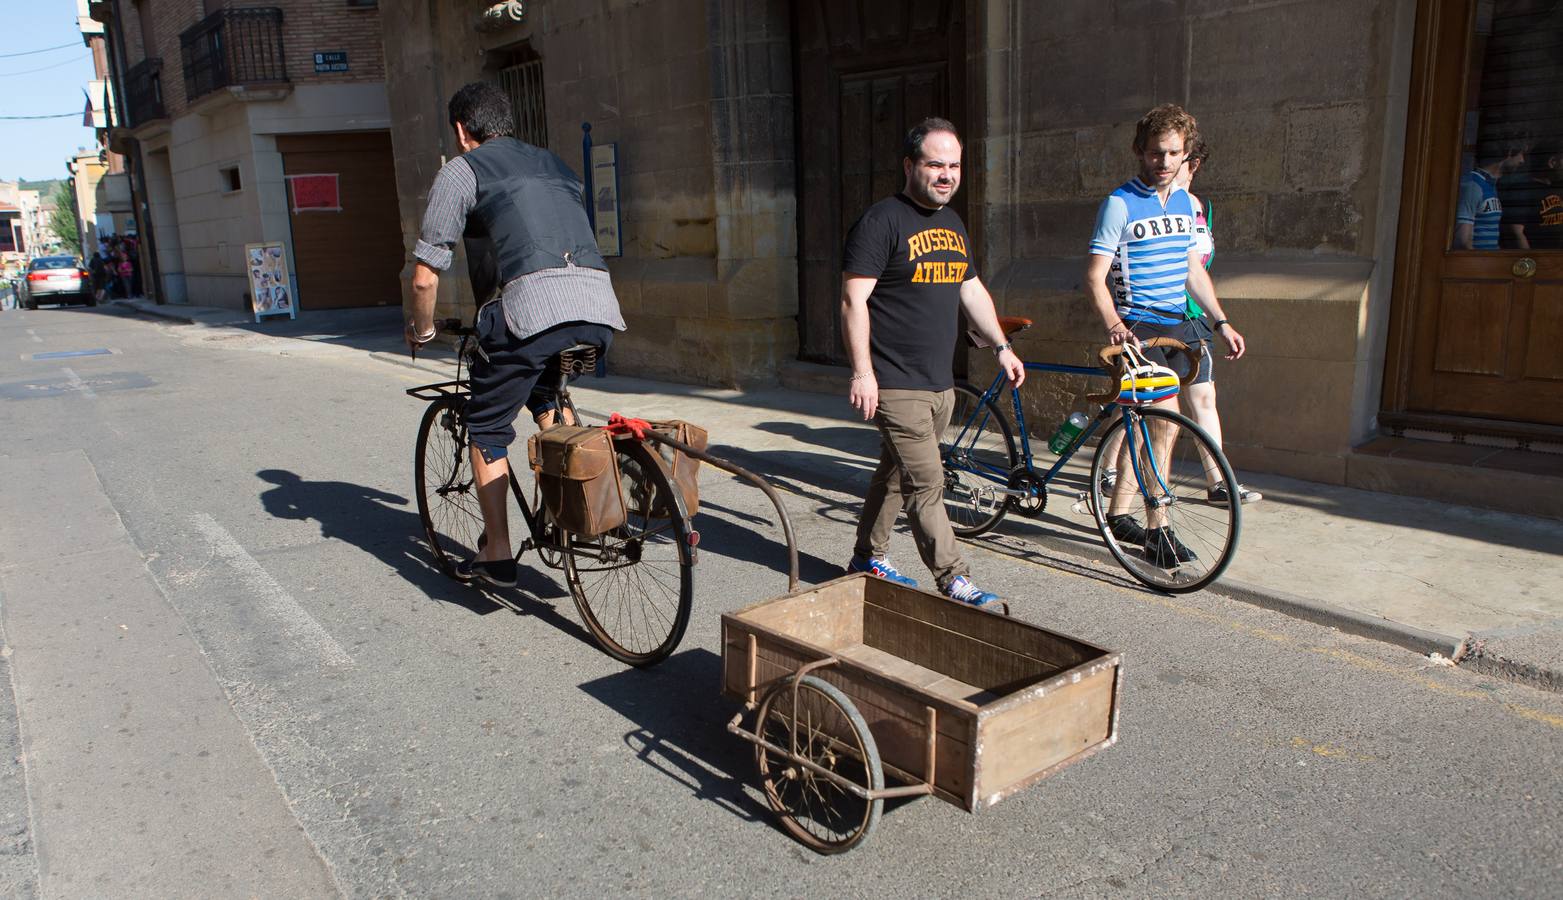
<point>1165,483</point>
<point>978,454</point>
<point>634,585</point>
<point>447,494</point>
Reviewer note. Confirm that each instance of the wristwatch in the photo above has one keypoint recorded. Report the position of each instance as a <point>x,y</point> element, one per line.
<point>1000,348</point>
<point>1220,322</point>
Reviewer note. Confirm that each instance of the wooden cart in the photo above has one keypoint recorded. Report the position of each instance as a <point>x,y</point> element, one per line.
<point>859,678</point>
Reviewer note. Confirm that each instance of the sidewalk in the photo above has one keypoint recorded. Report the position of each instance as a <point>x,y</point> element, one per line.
<point>1469,584</point>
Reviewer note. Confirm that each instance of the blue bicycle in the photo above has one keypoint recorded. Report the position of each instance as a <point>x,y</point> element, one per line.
<point>1155,476</point>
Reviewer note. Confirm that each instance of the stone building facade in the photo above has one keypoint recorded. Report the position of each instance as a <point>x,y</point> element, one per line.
<point>708,275</point>
<point>750,135</point>
<point>224,103</point>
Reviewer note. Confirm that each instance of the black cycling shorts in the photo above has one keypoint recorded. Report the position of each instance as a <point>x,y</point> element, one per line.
<point>1196,333</point>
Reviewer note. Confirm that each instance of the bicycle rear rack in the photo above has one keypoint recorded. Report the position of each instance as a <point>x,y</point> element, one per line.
<point>429,392</point>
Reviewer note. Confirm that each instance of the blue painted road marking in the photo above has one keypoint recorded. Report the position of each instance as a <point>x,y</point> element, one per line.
<point>65,354</point>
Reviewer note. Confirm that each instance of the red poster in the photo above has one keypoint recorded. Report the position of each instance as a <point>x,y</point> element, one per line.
<point>315,192</point>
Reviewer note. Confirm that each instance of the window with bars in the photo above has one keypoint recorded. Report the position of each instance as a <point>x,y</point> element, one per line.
<point>523,82</point>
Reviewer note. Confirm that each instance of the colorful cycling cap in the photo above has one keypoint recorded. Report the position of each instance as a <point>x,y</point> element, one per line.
<point>1147,383</point>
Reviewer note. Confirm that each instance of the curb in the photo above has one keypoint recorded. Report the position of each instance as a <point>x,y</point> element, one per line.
<point>1483,657</point>
<point>1350,621</point>
<point>155,312</point>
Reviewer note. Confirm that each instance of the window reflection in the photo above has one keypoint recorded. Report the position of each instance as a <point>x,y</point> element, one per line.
<point>1510,193</point>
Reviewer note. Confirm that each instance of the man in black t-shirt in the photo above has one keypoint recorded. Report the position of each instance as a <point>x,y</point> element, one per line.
<point>908,274</point>
<point>1534,202</point>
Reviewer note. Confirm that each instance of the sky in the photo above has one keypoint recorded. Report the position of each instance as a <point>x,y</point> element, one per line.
<point>36,150</point>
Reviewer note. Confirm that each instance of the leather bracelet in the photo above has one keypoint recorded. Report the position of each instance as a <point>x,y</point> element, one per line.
<point>1220,322</point>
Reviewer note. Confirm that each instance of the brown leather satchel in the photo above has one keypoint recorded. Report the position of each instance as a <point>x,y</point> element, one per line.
<point>683,470</point>
<point>577,473</point>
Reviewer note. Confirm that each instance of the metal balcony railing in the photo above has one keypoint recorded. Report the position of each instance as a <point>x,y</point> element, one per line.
<point>144,93</point>
<point>231,47</point>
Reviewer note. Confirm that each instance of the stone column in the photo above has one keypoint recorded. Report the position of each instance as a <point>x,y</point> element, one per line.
<point>754,303</point>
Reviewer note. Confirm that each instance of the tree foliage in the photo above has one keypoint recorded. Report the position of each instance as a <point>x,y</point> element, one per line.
<point>62,221</point>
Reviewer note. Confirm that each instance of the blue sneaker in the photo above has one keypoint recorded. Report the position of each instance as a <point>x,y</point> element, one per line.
<point>879,568</point>
<point>963,590</point>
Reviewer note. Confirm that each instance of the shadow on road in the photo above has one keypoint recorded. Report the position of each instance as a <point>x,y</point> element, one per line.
<point>687,742</point>
<point>371,520</point>
<point>758,539</point>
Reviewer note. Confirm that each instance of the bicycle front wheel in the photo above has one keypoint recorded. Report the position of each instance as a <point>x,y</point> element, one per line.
<point>447,492</point>
<point>634,585</point>
<point>978,452</point>
<point>1158,519</point>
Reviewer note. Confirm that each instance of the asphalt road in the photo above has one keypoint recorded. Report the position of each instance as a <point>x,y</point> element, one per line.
<point>233,672</point>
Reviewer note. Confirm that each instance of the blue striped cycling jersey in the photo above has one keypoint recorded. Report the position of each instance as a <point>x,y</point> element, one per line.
<point>1152,243</point>
<point>1480,208</point>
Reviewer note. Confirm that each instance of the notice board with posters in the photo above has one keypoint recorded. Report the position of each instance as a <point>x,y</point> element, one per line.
<point>605,198</point>
<point>270,287</point>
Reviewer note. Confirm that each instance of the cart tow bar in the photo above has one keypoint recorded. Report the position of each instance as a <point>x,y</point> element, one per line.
<point>642,430</point>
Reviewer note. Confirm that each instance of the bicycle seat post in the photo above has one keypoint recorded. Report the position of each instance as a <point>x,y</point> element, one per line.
<point>574,361</point>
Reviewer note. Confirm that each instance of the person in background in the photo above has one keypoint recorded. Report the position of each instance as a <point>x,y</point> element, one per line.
<point>1533,201</point>
<point>1478,216</point>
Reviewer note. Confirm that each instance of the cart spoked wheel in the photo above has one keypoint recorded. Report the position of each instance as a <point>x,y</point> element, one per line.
<point>819,725</point>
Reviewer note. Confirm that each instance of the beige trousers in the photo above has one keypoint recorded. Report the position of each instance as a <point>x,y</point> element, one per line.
<point>910,477</point>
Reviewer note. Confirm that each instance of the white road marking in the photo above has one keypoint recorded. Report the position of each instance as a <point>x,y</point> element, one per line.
<point>78,384</point>
<point>296,622</point>
<point>34,335</point>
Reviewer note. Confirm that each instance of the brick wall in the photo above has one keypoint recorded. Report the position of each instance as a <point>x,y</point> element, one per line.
<point>308,26</point>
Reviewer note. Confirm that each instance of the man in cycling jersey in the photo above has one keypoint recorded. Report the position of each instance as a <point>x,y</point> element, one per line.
<point>1199,396</point>
<point>1149,224</point>
<point>1478,217</point>
<point>540,284</point>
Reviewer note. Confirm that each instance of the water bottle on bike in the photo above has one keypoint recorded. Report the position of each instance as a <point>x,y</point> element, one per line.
<point>1068,430</point>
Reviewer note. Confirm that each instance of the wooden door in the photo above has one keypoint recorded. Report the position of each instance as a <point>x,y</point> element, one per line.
<point>1479,317</point>
<point>867,71</point>
<point>348,252</point>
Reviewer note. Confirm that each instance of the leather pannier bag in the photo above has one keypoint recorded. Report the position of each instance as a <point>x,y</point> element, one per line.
<point>577,473</point>
<point>683,470</point>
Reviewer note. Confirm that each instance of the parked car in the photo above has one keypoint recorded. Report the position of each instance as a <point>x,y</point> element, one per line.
<point>56,279</point>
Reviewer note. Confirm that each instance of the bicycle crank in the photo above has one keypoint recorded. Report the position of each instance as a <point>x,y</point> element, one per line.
<point>1028,493</point>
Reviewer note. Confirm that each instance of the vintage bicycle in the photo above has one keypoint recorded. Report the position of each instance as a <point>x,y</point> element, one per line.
<point>633,585</point>
<point>1173,536</point>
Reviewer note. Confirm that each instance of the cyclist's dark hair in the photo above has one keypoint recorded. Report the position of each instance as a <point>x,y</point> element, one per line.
<point>914,138</point>
<point>1500,143</point>
<point>483,110</point>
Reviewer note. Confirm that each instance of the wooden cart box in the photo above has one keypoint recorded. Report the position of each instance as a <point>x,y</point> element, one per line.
<point>1010,702</point>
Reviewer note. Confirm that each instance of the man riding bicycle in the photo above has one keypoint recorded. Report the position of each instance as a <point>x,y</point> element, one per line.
<point>540,284</point>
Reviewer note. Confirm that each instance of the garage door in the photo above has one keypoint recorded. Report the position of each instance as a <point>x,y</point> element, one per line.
<point>347,230</point>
